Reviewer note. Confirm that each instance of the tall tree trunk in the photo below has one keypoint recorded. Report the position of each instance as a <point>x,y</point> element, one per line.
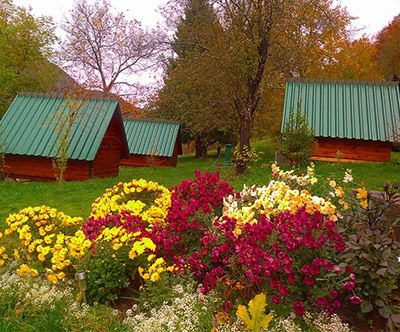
<point>201,148</point>
<point>246,112</point>
<point>246,129</point>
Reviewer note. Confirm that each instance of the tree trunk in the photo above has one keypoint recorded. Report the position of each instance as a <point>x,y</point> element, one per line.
<point>201,148</point>
<point>246,125</point>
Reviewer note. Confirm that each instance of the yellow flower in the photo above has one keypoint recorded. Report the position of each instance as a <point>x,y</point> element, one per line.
<point>154,277</point>
<point>364,203</point>
<point>42,232</point>
<point>116,246</point>
<point>132,254</point>
<point>362,193</point>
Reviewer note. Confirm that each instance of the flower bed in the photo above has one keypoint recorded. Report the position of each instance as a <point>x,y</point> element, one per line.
<point>282,240</point>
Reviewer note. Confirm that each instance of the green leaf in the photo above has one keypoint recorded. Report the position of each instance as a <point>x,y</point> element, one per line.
<point>395,318</point>
<point>366,306</point>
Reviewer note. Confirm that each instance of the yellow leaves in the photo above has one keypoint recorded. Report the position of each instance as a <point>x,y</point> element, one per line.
<point>254,318</point>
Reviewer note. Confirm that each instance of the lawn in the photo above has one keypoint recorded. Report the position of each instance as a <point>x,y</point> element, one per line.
<point>75,197</point>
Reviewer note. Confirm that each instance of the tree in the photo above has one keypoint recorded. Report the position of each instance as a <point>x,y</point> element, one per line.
<point>298,138</point>
<point>388,45</point>
<point>257,33</point>
<point>192,93</point>
<point>192,96</point>
<point>260,43</point>
<point>26,52</point>
<point>356,60</point>
<point>102,48</point>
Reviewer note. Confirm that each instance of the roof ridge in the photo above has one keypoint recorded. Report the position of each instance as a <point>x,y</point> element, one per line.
<point>151,120</point>
<point>338,81</point>
<point>60,95</point>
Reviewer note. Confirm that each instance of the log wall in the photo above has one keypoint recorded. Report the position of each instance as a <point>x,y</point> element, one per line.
<point>108,157</point>
<point>154,161</point>
<point>352,150</point>
<point>41,168</point>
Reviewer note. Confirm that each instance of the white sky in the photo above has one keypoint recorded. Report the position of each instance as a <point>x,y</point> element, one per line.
<point>373,14</point>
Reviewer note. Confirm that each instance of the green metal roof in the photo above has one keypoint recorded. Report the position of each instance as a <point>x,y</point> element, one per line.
<point>28,127</point>
<point>366,110</point>
<point>151,137</point>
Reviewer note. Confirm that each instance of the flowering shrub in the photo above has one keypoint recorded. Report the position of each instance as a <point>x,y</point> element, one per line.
<point>146,199</point>
<point>278,240</point>
<point>281,256</point>
<point>44,240</point>
<point>195,203</point>
<point>122,250</point>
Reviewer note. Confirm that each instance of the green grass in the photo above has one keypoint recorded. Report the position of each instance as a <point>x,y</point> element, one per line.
<point>75,198</point>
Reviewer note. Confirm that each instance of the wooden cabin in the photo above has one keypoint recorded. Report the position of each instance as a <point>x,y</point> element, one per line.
<point>357,118</point>
<point>31,131</point>
<point>152,143</point>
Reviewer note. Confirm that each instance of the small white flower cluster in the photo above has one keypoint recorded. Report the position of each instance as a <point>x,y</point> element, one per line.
<point>325,323</point>
<point>179,314</point>
<point>284,324</point>
<point>347,176</point>
<point>320,322</point>
<point>41,293</point>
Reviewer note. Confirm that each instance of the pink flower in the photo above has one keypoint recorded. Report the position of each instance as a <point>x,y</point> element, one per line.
<point>227,305</point>
<point>334,294</point>
<point>349,286</point>
<point>276,299</point>
<point>309,281</point>
<point>355,300</point>
<point>282,288</point>
<point>299,308</point>
<point>322,301</point>
<point>348,269</point>
<point>336,304</point>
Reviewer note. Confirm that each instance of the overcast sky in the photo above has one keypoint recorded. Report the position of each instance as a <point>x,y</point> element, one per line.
<point>373,14</point>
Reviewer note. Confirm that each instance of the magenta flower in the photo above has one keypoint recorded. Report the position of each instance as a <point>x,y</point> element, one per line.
<point>299,308</point>
<point>334,294</point>
<point>276,299</point>
<point>355,300</point>
<point>349,286</point>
